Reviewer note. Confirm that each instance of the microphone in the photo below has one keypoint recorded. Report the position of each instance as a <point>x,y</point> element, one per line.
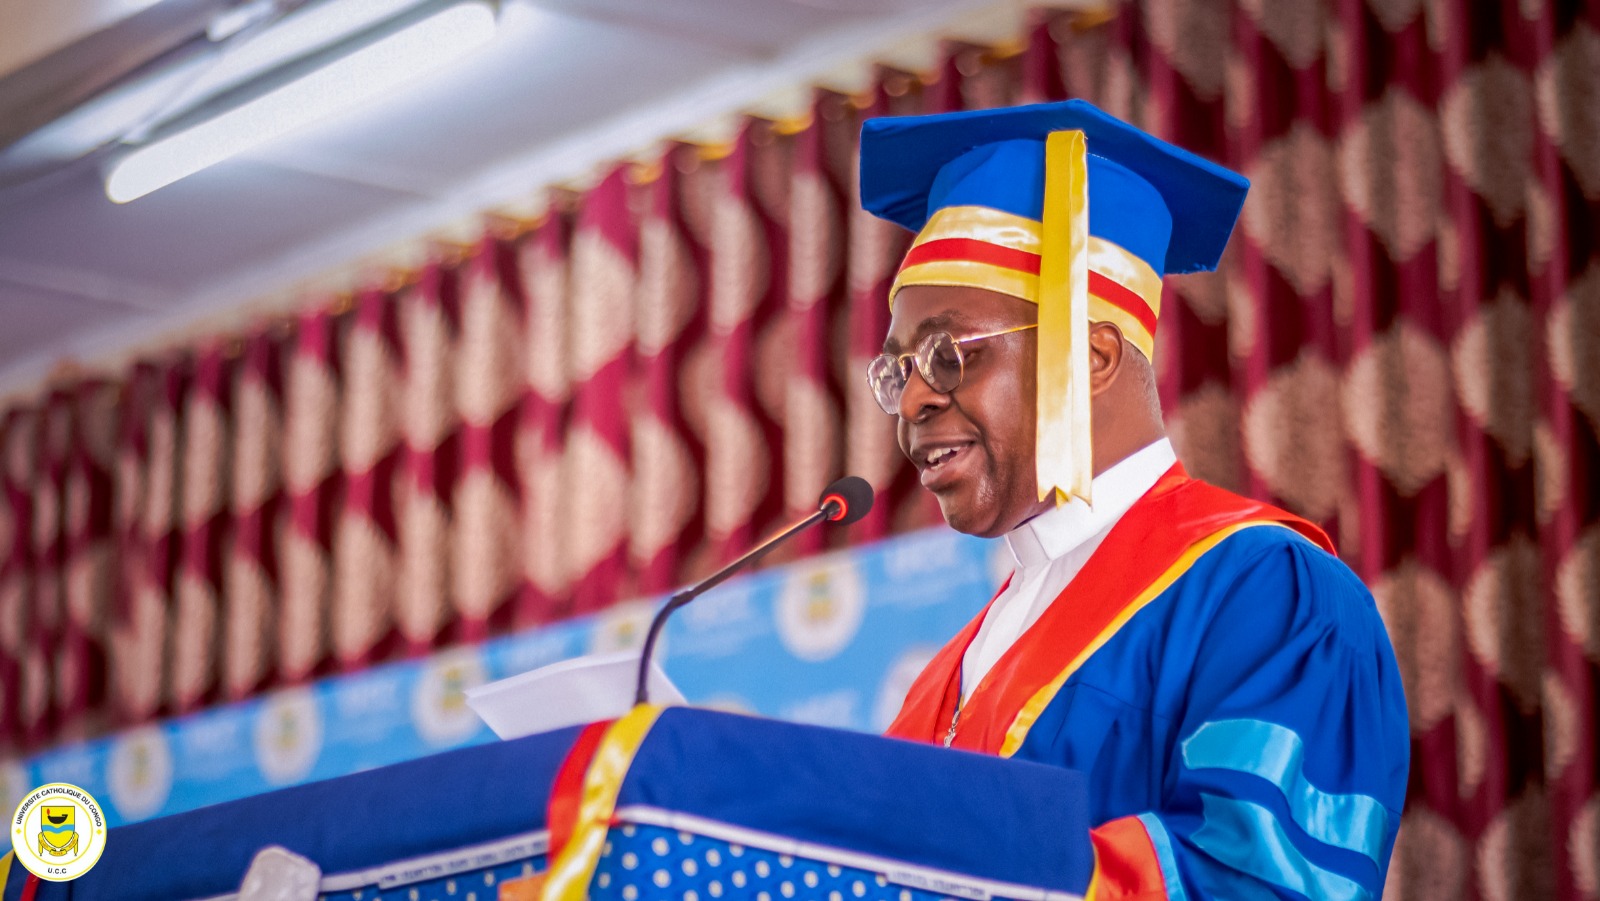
<point>844,501</point>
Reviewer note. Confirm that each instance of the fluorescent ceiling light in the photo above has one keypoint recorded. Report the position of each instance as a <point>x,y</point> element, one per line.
<point>372,71</point>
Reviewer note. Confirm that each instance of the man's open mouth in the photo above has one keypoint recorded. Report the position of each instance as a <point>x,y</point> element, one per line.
<point>943,465</point>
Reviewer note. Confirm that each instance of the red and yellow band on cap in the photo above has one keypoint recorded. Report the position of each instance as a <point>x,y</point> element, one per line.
<point>979,247</point>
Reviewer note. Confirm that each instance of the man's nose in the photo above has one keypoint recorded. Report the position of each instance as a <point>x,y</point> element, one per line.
<point>918,401</point>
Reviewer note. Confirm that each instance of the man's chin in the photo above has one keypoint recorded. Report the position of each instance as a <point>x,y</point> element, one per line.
<point>965,515</point>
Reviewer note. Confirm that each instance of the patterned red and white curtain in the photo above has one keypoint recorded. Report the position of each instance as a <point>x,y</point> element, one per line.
<point>1403,343</point>
<point>541,427</point>
<point>668,425</point>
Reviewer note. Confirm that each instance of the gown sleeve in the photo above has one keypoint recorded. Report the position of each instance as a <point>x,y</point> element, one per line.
<point>1288,772</point>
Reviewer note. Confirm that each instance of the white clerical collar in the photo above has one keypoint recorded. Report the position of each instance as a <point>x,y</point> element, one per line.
<point>1055,533</point>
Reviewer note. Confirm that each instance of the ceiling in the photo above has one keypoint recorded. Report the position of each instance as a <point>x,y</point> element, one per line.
<point>565,85</point>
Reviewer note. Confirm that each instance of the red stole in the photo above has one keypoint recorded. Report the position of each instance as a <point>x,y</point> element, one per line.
<point>1160,533</point>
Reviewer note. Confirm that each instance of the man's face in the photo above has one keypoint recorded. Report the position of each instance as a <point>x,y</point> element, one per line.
<point>987,486</point>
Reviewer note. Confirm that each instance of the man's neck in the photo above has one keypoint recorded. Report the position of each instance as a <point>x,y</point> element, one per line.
<point>1109,450</point>
<point>1076,508</point>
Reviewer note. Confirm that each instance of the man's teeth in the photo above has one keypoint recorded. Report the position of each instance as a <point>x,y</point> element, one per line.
<point>939,456</point>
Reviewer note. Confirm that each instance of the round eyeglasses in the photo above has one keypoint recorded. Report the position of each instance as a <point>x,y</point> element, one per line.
<point>938,360</point>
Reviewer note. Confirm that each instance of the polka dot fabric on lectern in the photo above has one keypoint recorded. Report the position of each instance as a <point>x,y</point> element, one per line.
<point>651,863</point>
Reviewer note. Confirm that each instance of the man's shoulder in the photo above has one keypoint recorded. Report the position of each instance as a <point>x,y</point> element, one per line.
<point>1218,535</point>
<point>1274,543</point>
<point>1259,571</point>
<point>1198,508</point>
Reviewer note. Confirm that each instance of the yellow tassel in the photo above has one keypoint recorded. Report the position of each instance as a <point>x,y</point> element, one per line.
<point>1064,455</point>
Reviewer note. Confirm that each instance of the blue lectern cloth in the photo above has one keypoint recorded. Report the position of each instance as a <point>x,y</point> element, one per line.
<point>410,809</point>
<point>1005,820</point>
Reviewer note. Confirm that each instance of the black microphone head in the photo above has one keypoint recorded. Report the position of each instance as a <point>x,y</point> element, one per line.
<point>846,500</point>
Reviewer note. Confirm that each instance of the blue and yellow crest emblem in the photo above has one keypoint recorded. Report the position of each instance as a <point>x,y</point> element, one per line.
<point>58,832</point>
<point>819,603</point>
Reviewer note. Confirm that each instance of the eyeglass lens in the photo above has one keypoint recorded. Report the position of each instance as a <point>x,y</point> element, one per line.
<point>938,360</point>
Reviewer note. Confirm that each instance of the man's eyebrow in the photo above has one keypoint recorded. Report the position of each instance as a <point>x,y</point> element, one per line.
<point>939,322</point>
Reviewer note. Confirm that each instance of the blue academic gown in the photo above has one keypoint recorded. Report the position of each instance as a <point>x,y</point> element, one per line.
<point>1240,717</point>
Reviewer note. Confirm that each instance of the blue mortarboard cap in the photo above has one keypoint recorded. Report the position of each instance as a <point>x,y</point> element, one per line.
<point>1161,203</point>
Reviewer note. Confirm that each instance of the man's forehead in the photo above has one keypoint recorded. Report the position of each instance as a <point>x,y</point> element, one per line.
<point>911,325</point>
<point>948,319</point>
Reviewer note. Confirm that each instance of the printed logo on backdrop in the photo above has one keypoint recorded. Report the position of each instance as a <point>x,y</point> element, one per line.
<point>896,684</point>
<point>623,627</point>
<point>139,773</point>
<point>58,832</point>
<point>438,702</point>
<point>288,736</point>
<point>820,609</point>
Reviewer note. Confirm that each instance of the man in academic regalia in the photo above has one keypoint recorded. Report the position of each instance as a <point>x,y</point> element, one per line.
<point>1222,679</point>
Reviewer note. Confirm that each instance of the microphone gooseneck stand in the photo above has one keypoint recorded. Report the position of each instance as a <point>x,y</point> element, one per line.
<point>844,502</point>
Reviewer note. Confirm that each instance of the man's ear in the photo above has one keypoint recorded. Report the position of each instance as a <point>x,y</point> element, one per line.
<point>1105,355</point>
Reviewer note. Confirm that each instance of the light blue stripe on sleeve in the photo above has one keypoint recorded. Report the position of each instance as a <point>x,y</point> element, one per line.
<point>1355,822</point>
<point>1169,862</point>
<point>1248,838</point>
